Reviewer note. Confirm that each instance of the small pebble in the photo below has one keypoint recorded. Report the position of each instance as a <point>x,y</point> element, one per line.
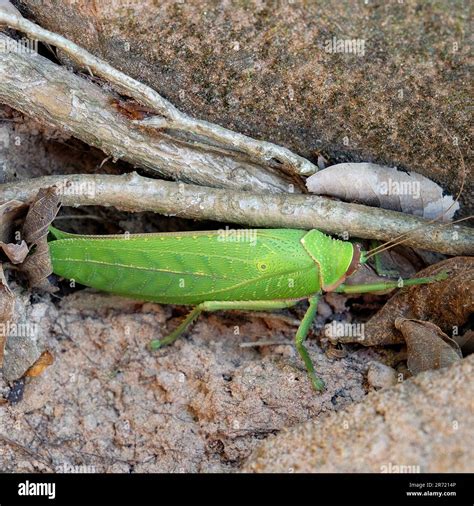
<point>324,309</point>
<point>381,376</point>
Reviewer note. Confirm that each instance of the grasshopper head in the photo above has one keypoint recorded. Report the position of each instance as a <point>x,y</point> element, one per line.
<point>336,259</point>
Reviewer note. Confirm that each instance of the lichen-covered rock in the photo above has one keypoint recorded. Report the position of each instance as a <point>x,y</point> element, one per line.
<point>422,425</point>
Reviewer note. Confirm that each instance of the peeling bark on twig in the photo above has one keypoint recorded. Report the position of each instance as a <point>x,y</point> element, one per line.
<point>263,152</point>
<point>132,192</point>
<point>51,94</point>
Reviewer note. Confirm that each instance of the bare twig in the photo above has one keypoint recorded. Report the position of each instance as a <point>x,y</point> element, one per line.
<point>265,153</point>
<point>132,192</point>
<point>256,344</point>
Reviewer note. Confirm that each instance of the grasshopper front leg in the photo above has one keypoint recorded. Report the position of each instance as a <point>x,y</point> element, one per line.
<point>308,318</point>
<point>385,285</point>
<point>300,338</point>
<point>255,305</point>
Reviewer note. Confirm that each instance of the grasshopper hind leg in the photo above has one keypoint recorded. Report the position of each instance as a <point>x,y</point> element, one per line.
<point>249,305</point>
<point>155,344</point>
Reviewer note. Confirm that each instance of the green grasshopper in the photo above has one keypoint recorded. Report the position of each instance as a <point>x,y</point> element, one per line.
<point>262,269</point>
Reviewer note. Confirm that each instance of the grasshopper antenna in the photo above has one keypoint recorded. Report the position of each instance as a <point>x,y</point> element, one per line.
<point>399,239</point>
<point>384,247</point>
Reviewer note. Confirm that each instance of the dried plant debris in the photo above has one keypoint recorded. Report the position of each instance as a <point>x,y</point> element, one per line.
<point>42,212</point>
<point>10,213</point>
<point>386,187</point>
<point>428,346</point>
<point>448,304</point>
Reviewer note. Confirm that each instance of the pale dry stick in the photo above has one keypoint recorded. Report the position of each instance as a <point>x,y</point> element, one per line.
<point>256,344</point>
<point>171,117</point>
<point>132,192</point>
<point>48,92</point>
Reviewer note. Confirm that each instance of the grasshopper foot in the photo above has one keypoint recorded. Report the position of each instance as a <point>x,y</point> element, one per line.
<point>155,344</point>
<point>317,383</point>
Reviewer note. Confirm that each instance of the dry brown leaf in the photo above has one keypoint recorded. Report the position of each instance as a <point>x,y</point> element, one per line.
<point>386,187</point>
<point>16,253</point>
<point>448,304</point>
<point>427,345</point>
<point>42,212</point>
<point>10,212</point>
<point>44,361</point>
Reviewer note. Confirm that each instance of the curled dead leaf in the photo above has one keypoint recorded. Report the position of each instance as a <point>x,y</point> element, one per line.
<point>428,346</point>
<point>42,212</point>
<point>10,214</point>
<point>386,187</point>
<point>44,361</point>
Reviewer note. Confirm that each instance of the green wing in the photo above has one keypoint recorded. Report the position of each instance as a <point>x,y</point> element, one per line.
<point>190,267</point>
